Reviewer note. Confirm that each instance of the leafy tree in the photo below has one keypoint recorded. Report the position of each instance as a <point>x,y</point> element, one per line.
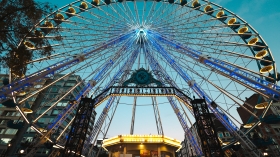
<point>17,17</point>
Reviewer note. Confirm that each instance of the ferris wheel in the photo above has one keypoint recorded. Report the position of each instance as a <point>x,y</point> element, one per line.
<point>198,47</point>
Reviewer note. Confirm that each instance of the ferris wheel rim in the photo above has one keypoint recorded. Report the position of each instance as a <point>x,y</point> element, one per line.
<point>219,7</point>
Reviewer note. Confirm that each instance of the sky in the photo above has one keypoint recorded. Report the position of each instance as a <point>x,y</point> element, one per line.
<point>262,15</point>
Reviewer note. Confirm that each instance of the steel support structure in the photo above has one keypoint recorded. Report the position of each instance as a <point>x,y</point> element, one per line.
<point>157,116</point>
<point>123,74</point>
<point>133,116</point>
<point>206,129</point>
<point>77,136</point>
<point>79,128</point>
<point>181,116</point>
<point>222,117</point>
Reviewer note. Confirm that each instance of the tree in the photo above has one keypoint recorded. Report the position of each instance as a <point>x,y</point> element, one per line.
<point>17,17</point>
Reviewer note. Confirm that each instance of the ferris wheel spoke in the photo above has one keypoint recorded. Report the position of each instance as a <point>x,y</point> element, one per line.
<point>219,52</point>
<point>57,121</point>
<point>163,11</point>
<point>93,25</point>
<point>218,43</point>
<point>98,16</point>
<point>100,120</point>
<point>127,8</point>
<point>237,65</point>
<point>255,79</point>
<point>234,98</point>
<point>219,113</point>
<point>34,92</point>
<point>105,19</point>
<point>111,18</point>
<point>57,46</point>
<point>203,68</point>
<point>170,15</point>
<point>108,78</point>
<point>206,79</point>
<point>55,68</point>
<point>74,41</point>
<point>152,12</point>
<point>193,24</point>
<point>123,11</point>
<point>149,12</point>
<point>143,14</point>
<point>137,14</point>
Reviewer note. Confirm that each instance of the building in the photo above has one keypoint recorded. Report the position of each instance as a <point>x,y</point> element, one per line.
<point>266,135</point>
<point>223,134</point>
<point>141,146</point>
<point>23,138</point>
<point>7,114</point>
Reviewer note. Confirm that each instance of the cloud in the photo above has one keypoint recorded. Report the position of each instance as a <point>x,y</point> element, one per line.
<point>250,6</point>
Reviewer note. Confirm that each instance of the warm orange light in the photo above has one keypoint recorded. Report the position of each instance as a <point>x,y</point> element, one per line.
<point>261,105</point>
<point>247,126</point>
<point>266,69</point>
<point>142,139</point>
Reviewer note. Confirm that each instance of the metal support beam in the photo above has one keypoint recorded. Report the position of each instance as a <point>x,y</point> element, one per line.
<point>181,116</point>
<point>222,117</point>
<point>157,116</point>
<point>121,73</point>
<point>79,128</point>
<point>206,129</point>
<point>133,116</point>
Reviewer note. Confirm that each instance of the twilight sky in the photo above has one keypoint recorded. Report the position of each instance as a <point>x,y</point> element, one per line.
<point>263,15</point>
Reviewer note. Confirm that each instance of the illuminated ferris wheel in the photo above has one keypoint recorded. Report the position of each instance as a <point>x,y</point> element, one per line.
<point>196,48</point>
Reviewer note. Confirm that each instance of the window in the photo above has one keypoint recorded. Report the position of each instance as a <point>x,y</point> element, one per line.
<point>2,131</point>
<point>29,139</point>
<point>60,83</point>
<point>54,89</point>
<point>11,131</point>
<point>227,134</point>
<point>220,134</point>
<point>38,86</point>
<point>5,140</point>
<point>72,78</point>
<point>42,120</point>
<point>277,129</point>
<point>79,79</point>
<point>33,98</point>
<point>30,130</point>
<point>40,112</point>
<point>76,92</point>
<point>3,122</point>
<point>62,104</point>
<point>55,112</point>
<point>11,113</point>
<point>70,84</point>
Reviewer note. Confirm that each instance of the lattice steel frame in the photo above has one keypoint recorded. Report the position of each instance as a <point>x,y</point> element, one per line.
<point>206,129</point>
